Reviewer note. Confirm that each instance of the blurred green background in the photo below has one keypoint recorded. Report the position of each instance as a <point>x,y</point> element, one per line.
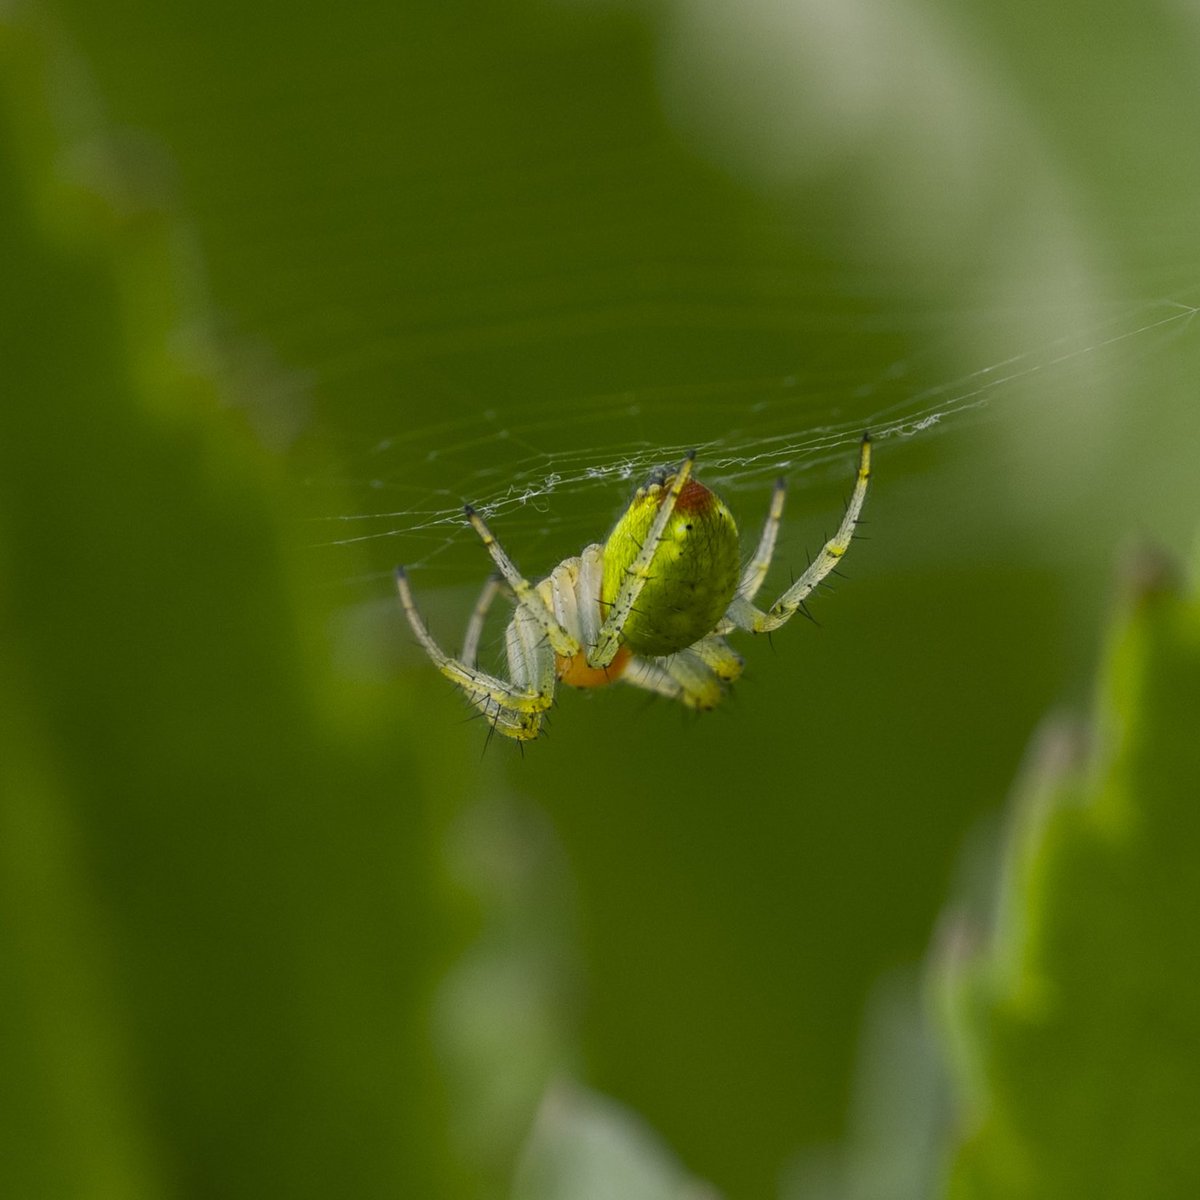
<point>280,287</point>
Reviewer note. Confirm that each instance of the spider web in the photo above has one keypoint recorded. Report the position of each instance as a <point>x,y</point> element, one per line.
<point>551,476</point>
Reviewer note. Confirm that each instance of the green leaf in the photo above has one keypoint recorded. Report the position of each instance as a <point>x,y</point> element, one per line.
<point>586,1147</point>
<point>1080,1026</point>
<point>215,913</point>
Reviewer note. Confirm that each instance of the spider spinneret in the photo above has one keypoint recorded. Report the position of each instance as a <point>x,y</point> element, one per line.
<point>650,607</point>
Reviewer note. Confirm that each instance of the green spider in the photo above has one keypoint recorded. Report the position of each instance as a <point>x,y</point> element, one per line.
<point>650,607</point>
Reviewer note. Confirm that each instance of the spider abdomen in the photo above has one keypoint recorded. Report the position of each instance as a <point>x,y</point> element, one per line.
<point>694,573</point>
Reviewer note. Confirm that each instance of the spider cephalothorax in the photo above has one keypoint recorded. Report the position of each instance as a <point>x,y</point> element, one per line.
<point>649,607</point>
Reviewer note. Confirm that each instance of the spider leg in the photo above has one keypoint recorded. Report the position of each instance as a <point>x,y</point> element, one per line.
<point>744,615</point>
<point>513,710</point>
<point>531,660</point>
<point>609,639</point>
<point>716,654</point>
<point>528,597</point>
<point>697,677</point>
<point>649,674</point>
<point>701,688</point>
<point>470,647</point>
<point>682,676</point>
<point>756,569</point>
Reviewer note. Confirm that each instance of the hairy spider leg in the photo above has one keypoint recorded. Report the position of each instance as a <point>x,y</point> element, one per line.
<point>572,593</point>
<point>704,671</point>
<point>744,615</point>
<point>697,677</point>
<point>648,673</point>
<point>470,646</point>
<point>719,657</point>
<point>756,569</point>
<point>701,687</point>
<point>531,660</point>
<point>609,639</point>
<point>516,712</point>
<point>527,595</point>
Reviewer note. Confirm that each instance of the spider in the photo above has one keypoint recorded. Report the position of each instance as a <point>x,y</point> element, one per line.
<point>650,607</point>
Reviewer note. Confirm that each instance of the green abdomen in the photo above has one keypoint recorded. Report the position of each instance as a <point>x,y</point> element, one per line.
<point>693,575</point>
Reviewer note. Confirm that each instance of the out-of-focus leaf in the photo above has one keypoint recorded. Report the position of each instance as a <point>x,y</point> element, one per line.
<point>214,906</point>
<point>896,1132</point>
<point>505,1016</point>
<point>585,1147</point>
<point>1079,1028</point>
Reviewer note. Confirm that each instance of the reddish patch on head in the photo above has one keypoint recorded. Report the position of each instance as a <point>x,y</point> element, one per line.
<point>695,497</point>
<point>575,672</point>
